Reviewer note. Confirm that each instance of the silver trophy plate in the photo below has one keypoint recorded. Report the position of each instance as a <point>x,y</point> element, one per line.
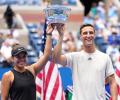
<point>57,14</point>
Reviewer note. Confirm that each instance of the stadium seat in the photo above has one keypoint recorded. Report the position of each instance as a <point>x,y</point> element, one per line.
<point>99,40</point>
<point>103,47</point>
<point>2,71</point>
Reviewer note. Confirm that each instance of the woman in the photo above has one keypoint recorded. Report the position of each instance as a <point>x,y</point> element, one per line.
<point>19,83</point>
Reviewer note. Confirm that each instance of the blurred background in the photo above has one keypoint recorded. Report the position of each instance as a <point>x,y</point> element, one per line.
<point>22,21</point>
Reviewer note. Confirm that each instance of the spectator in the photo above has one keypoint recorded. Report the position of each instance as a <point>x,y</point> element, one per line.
<point>113,14</point>
<point>6,48</point>
<point>9,16</point>
<point>101,11</point>
<point>93,10</point>
<point>6,53</point>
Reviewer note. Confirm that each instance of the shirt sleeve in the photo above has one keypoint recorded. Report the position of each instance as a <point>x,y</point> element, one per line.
<point>69,59</point>
<point>109,67</point>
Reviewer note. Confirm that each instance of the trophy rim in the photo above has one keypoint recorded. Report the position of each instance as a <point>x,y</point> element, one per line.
<point>52,7</point>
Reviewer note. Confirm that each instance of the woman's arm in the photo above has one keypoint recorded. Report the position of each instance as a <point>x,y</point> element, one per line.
<point>47,51</point>
<point>5,86</point>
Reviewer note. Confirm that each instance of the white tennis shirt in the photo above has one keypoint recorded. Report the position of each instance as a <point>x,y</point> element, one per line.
<point>89,73</point>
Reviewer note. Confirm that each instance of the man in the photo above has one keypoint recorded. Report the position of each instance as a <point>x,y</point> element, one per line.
<point>90,67</point>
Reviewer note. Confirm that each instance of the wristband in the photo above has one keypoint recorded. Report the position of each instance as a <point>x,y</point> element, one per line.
<point>49,34</point>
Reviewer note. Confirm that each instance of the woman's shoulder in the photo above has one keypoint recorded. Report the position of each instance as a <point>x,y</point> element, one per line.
<point>8,76</point>
<point>30,68</point>
<point>8,73</point>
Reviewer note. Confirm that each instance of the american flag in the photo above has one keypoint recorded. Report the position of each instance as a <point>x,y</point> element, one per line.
<point>48,81</point>
<point>49,84</point>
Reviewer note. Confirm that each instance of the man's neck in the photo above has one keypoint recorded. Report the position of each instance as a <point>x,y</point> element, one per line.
<point>90,49</point>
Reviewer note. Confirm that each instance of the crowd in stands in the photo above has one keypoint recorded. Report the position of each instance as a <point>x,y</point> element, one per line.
<point>6,41</point>
<point>35,2</point>
<point>20,2</point>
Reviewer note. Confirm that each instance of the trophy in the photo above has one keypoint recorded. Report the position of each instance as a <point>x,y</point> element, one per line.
<point>56,14</point>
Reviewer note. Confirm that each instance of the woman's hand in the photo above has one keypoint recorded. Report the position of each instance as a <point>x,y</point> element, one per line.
<point>49,29</point>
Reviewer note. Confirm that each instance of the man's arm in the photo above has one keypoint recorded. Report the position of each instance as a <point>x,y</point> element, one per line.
<point>113,86</point>
<point>57,56</point>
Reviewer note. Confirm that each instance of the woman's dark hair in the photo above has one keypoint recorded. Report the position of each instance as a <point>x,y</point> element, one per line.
<point>85,25</point>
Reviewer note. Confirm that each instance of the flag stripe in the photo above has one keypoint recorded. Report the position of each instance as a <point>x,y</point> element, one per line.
<point>38,89</point>
<point>55,89</point>
<point>118,72</point>
<point>48,78</point>
<point>40,75</point>
<point>52,81</point>
<point>60,92</point>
